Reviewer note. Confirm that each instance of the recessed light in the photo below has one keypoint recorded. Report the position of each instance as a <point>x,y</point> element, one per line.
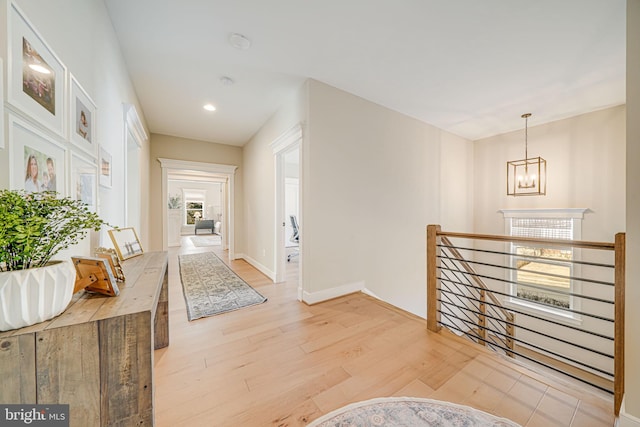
<point>239,41</point>
<point>209,107</point>
<point>226,81</point>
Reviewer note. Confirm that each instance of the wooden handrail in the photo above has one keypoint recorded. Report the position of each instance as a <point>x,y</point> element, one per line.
<point>618,337</point>
<point>508,315</point>
<point>553,242</point>
<point>433,293</point>
<point>435,236</point>
<point>482,318</point>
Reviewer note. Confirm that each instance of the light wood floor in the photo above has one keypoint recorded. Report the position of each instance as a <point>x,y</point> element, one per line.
<point>283,363</point>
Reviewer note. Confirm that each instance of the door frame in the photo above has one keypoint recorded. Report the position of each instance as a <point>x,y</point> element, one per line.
<point>227,171</point>
<point>285,143</point>
<point>134,137</point>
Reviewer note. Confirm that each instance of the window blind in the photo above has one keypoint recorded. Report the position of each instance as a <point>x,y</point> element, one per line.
<point>542,228</point>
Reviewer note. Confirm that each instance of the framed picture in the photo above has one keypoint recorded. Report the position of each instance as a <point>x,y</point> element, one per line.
<point>36,78</point>
<point>126,242</point>
<point>37,162</point>
<point>1,105</point>
<point>112,257</point>
<point>105,169</point>
<point>82,118</point>
<point>94,275</point>
<point>84,180</point>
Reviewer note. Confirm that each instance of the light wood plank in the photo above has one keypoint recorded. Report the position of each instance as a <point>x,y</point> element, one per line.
<point>69,371</point>
<point>161,315</point>
<point>284,363</point>
<point>17,369</point>
<point>126,364</point>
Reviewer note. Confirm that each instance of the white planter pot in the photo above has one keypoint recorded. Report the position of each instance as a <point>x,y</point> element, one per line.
<point>34,295</point>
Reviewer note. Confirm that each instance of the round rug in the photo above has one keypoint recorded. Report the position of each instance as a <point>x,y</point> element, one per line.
<point>409,412</point>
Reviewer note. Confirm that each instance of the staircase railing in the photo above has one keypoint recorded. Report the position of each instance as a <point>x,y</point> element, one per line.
<point>495,323</point>
<point>470,290</point>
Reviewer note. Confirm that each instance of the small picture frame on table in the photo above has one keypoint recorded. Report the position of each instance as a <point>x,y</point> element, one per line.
<point>126,242</point>
<point>111,256</point>
<point>94,275</point>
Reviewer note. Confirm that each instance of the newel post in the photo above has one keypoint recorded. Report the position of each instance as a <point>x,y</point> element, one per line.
<point>433,263</point>
<point>618,369</point>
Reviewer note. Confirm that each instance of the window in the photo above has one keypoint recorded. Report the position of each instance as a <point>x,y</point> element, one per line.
<point>193,209</point>
<point>541,275</point>
<point>546,269</point>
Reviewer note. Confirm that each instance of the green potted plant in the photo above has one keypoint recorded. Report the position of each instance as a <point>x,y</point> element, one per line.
<point>34,227</point>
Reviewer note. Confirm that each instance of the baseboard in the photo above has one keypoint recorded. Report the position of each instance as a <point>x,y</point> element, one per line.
<point>264,270</point>
<point>366,291</point>
<point>627,420</point>
<point>327,294</point>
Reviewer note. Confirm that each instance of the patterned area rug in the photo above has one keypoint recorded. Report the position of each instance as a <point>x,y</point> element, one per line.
<point>409,412</point>
<point>210,287</point>
<point>202,241</point>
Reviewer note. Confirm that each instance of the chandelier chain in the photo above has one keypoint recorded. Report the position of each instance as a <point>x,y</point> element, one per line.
<point>526,135</point>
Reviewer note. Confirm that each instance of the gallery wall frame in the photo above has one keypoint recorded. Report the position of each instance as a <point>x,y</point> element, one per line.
<point>2,134</point>
<point>82,118</point>
<point>36,77</point>
<point>33,153</point>
<point>105,170</point>
<point>84,180</point>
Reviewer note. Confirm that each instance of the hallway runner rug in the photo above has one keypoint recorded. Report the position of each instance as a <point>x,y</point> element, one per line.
<point>409,411</point>
<point>203,241</point>
<point>210,287</point>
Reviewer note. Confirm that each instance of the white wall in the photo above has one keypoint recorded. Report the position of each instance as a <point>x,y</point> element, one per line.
<point>632,342</point>
<point>585,169</point>
<point>81,34</point>
<point>371,182</point>
<point>172,147</point>
<point>259,183</point>
<point>375,179</point>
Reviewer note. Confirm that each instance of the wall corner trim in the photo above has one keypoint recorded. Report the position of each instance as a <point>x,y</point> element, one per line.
<point>331,293</point>
<point>264,270</point>
<point>286,139</point>
<point>625,419</point>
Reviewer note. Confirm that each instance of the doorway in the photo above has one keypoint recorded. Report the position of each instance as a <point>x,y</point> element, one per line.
<point>289,224</point>
<point>132,189</point>
<point>196,205</point>
<point>135,198</point>
<point>188,170</point>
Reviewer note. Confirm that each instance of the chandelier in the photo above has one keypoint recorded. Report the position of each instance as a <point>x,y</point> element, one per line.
<point>527,177</point>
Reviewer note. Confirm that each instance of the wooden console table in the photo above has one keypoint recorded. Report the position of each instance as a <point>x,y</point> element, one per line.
<point>97,356</point>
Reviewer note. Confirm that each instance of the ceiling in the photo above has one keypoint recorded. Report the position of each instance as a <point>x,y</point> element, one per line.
<point>466,66</point>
